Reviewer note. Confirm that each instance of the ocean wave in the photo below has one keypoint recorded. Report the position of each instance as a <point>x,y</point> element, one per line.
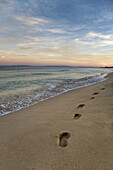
<point>17,102</point>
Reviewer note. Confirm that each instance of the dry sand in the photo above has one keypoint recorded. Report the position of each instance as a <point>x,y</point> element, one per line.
<point>30,138</point>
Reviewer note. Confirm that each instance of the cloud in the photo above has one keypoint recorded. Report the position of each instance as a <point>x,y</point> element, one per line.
<point>97,35</point>
<point>107,42</point>
<point>31,21</point>
<point>57,31</point>
<point>103,53</point>
<point>101,43</point>
<point>63,30</point>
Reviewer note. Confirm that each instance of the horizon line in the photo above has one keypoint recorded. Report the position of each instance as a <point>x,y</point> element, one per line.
<point>54,66</point>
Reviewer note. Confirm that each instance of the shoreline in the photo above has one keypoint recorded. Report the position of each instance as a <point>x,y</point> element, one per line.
<point>52,97</point>
<point>28,136</point>
<point>58,93</point>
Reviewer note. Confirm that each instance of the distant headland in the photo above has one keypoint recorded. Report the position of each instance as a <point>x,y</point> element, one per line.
<point>109,67</point>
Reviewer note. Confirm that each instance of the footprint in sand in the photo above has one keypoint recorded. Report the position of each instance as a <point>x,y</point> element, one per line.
<point>77,116</point>
<point>95,93</point>
<point>80,105</point>
<point>103,88</point>
<point>62,139</point>
<point>92,98</point>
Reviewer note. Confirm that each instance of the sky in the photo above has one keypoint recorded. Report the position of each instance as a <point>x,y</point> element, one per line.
<point>56,32</point>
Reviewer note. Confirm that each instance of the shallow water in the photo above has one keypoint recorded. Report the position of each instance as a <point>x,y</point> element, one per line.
<point>22,86</point>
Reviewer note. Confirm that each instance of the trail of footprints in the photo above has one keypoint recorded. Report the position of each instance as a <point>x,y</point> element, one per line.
<point>62,138</point>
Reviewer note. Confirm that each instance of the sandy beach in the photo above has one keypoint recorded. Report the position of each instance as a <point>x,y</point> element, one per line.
<point>71,131</point>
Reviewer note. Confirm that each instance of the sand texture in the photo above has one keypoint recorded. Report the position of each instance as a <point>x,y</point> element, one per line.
<point>70,131</point>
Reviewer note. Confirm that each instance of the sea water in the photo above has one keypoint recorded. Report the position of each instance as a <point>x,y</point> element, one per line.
<point>22,86</point>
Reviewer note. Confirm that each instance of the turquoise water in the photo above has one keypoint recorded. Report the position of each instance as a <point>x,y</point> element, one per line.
<point>22,86</point>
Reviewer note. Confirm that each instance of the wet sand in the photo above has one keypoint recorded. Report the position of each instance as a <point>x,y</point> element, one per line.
<point>71,131</point>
